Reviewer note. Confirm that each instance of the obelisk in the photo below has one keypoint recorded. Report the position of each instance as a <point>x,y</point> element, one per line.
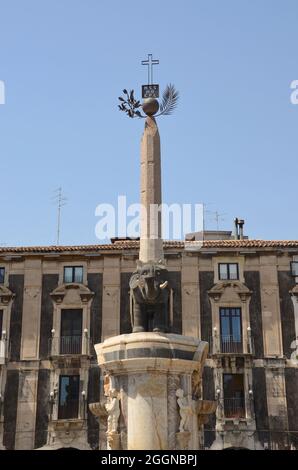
<point>151,246</point>
<point>152,375</point>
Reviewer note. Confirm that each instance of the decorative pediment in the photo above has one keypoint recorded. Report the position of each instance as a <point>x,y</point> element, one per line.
<point>237,287</point>
<point>5,295</point>
<point>294,291</point>
<point>60,292</point>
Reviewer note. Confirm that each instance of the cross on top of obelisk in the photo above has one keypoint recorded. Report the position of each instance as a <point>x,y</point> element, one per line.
<point>150,62</point>
<point>150,90</point>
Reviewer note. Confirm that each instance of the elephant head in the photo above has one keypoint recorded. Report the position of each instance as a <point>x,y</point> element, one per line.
<point>151,279</point>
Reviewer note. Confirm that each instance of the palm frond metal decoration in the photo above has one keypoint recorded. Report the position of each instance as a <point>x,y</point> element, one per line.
<point>130,105</point>
<point>169,101</point>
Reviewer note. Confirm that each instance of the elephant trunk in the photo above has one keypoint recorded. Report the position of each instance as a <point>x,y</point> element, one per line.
<point>150,289</point>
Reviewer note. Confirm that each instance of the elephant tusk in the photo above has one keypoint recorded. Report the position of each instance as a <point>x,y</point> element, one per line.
<point>164,285</point>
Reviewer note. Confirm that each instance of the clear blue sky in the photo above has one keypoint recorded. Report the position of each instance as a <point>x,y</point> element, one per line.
<point>232,142</point>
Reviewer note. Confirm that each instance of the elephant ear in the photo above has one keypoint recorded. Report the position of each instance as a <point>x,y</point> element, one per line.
<point>134,281</point>
<point>161,265</point>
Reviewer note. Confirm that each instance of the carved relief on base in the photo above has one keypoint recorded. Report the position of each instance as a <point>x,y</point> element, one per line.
<point>173,385</point>
<point>109,413</point>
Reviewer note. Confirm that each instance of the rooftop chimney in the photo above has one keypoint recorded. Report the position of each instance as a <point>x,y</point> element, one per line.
<point>239,228</point>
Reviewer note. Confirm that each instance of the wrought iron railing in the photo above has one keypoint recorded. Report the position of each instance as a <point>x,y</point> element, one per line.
<point>233,407</point>
<point>70,410</point>
<point>70,345</point>
<point>229,344</point>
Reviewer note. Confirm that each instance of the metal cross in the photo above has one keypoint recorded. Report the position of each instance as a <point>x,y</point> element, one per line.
<point>150,62</point>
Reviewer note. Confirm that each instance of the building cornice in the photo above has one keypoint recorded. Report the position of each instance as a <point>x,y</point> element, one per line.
<point>204,247</point>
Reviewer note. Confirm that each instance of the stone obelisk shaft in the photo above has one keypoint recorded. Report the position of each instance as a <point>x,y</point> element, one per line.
<point>151,246</point>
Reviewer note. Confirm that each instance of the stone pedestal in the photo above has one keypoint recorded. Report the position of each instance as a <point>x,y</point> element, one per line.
<point>147,369</point>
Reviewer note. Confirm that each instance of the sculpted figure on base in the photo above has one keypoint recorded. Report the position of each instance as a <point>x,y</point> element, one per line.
<point>185,410</point>
<point>113,409</point>
<point>150,297</point>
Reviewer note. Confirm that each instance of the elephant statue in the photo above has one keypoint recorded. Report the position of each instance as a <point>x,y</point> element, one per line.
<point>149,290</point>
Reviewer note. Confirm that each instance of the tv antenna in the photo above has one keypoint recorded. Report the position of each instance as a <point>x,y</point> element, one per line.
<point>60,200</point>
<point>218,218</point>
<point>205,212</point>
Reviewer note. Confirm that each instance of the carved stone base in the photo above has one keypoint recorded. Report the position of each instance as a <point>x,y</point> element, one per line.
<point>146,369</point>
<point>182,440</point>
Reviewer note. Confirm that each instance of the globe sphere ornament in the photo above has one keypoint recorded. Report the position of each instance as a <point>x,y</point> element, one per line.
<point>150,106</point>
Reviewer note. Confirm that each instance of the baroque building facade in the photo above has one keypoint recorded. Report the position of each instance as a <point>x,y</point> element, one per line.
<point>239,295</point>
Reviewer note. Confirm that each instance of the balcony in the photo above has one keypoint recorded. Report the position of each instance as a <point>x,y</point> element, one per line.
<point>70,346</point>
<point>69,410</point>
<point>227,344</point>
<point>231,345</point>
<point>233,408</point>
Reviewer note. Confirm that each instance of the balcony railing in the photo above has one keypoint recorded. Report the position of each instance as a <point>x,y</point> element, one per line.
<point>229,344</point>
<point>69,410</point>
<point>233,407</point>
<point>70,345</point>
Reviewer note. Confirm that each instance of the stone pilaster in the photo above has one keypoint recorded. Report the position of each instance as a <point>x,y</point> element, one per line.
<point>277,404</point>
<point>111,297</point>
<point>31,309</point>
<point>270,307</point>
<point>26,412</point>
<point>190,296</point>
